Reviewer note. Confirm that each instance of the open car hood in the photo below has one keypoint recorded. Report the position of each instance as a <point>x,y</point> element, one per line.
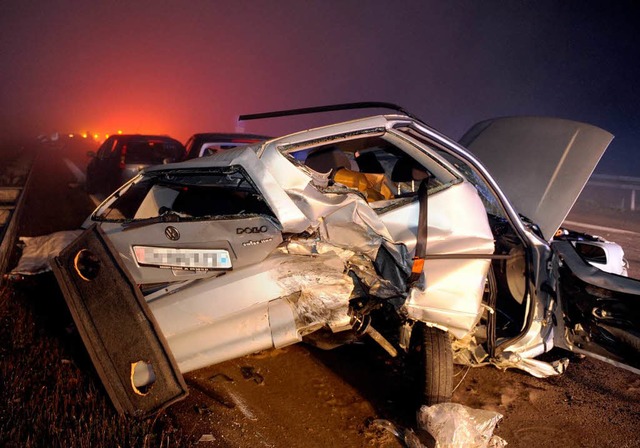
<point>540,163</point>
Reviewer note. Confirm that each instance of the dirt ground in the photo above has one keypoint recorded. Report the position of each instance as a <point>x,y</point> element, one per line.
<point>301,396</point>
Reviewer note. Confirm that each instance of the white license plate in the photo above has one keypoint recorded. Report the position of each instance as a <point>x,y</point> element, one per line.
<point>186,259</point>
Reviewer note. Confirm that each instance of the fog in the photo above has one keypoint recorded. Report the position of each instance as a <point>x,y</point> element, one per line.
<point>177,68</point>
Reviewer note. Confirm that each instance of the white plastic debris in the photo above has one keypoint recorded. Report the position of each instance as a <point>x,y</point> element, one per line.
<point>38,250</point>
<point>453,425</point>
<point>207,438</point>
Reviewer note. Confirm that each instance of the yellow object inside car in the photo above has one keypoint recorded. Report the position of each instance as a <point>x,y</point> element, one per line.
<point>376,187</point>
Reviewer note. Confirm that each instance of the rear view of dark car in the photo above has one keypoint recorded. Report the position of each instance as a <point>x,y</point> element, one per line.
<point>121,157</point>
<point>206,144</point>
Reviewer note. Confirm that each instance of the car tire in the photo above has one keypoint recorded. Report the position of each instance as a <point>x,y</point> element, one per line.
<point>436,357</point>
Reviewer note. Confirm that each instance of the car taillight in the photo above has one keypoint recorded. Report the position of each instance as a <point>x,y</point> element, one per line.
<point>123,154</point>
<point>186,259</point>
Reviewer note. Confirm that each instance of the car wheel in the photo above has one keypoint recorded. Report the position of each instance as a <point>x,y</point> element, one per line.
<point>436,357</point>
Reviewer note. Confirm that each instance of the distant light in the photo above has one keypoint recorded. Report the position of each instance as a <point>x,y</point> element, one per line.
<point>71,135</point>
<point>84,135</point>
<point>96,136</point>
<point>106,135</point>
<point>119,131</point>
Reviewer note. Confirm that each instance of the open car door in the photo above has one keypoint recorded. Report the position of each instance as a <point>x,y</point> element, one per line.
<point>122,337</point>
<point>598,313</point>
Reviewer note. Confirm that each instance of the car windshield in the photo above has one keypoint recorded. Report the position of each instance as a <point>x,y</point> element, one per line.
<point>186,195</point>
<point>152,152</point>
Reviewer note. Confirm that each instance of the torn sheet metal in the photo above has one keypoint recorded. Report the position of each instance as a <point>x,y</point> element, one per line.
<point>304,286</point>
<point>218,319</point>
<point>535,367</point>
<point>468,351</point>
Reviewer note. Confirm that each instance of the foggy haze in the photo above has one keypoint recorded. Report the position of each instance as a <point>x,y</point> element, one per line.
<point>179,68</point>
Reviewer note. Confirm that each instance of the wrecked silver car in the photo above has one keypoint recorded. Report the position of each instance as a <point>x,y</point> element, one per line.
<point>379,227</point>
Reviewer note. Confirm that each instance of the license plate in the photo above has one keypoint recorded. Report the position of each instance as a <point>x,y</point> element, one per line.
<point>184,259</point>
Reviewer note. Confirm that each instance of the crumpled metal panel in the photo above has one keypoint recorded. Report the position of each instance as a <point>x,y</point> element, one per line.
<point>225,317</point>
<point>453,289</point>
<point>287,212</point>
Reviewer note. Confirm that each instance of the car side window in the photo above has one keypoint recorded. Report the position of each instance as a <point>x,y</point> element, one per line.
<point>372,165</point>
<point>106,148</point>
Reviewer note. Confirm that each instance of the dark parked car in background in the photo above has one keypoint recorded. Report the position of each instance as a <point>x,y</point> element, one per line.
<point>206,144</point>
<point>121,157</point>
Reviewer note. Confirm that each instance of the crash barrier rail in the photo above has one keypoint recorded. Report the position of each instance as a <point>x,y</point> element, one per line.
<point>14,182</point>
<point>624,183</point>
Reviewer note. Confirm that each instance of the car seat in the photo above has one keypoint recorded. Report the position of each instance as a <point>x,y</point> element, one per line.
<point>327,160</point>
<point>407,173</point>
<point>369,163</point>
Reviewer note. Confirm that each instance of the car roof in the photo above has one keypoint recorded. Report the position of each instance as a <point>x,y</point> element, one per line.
<point>145,137</point>
<point>224,136</point>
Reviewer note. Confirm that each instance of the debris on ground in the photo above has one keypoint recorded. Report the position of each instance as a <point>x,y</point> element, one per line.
<point>37,250</point>
<point>207,438</point>
<point>250,373</point>
<point>453,425</point>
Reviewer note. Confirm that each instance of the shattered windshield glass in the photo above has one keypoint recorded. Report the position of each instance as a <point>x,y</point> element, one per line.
<point>186,195</point>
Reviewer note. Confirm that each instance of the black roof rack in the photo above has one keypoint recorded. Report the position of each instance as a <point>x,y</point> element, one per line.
<point>329,108</point>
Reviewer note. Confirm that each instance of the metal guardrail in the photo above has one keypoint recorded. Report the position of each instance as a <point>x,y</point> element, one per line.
<point>632,184</point>
<point>12,198</point>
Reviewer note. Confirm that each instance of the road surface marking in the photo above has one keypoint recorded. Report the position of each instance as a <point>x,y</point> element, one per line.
<point>242,405</point>
<point>77,172</point>
<point>601,228</point>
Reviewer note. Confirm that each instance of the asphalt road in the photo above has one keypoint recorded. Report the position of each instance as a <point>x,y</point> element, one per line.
<point>300,396</point>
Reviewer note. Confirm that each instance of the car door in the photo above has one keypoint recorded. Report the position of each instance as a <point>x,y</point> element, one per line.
<point>98,167</point>
<point>598,313</point>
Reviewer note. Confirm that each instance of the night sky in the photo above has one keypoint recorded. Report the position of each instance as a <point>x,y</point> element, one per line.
<point>180,67</point>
